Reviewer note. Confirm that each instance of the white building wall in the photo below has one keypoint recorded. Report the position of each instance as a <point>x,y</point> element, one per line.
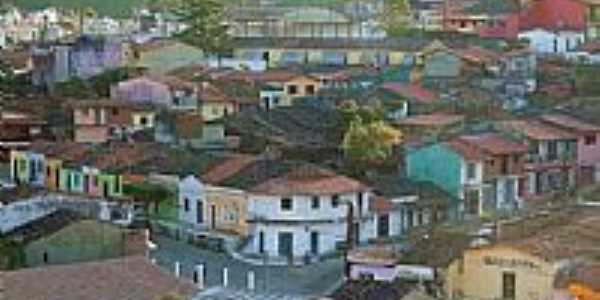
<point>191,189</point>
<point>327,220</point>
<point>561,42</point>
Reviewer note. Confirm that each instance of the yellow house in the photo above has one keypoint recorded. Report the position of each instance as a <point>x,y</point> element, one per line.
<point>227,209</point>
<point>529,259</point>
<point>214,103</point>
<point>300,86</point>
<point>500,272</point>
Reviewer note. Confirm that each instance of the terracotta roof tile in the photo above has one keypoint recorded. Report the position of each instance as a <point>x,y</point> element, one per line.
<point>228,168</point>
<point>537,130</point>
<point>554,15</point>
<point>467,151</point>
<point>494,144</point>
<point>568,122</point>
<point>411,91</point>
<point>309,180</point>
<point>127,278</point>
<point>432,120</point>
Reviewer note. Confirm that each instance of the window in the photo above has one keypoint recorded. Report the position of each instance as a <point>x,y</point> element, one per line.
<point>48,171</point>
<point>590,140</point>
<point>186,204</point>
<point>276,100</point>
<point>315,202</point>
<point>335,201</point>
<point>552,150</point>
<point>292,89</point>
<point>310,89</point>
<point>286,204</point>
<point>143,121</point>
<point>115,111</point>
<point>508,285</point>
<point>471,171</point>
<point>360,202</point>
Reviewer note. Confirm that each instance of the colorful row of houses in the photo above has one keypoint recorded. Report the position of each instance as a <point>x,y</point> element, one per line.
<point>66,168</point>
<point>517,161</point>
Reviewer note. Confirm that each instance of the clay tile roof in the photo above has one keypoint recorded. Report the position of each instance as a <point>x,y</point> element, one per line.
<point>188,125</point>
<point>432,120</point>
<point>211,93</point>
<point>374,255</point>
<point>309,180</point>
<point>537,130</point>
<point>411,91</point>
<point>568,122</point>
<point>230,167</point>
<point>494,144</point>
<point>477,54</point>
<point>577,237</point>
<point>467,151</point>
<point>554,15</point>
<point>126,278</point>
<point>172,81</point>
<point>381,205</point>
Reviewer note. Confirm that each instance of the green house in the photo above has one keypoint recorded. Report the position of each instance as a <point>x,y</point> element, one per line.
<point>439,165</point>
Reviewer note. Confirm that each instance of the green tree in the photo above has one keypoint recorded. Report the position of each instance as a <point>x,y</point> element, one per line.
<point>370,143</point>
<point>11,255</point>
<point>147,193</point>
<point>102,82</point>
<point>395,17</point>
<point>207,27</point>
<point>74,88</point>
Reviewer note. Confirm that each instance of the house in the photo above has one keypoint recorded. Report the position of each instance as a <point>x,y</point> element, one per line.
<point>64,237</point>
<point>161,91</point>
<point>190,129</point>
<point>215,103</point>
<point>552,156</point>
<point>300,86</point>
<point>162,56</point>
<point>97,121</point>
<point>92,280</point>
<point>83,58</point>
<point>281,208</point>
<point>318,21</point>
<point>538,250</point>
<point>580,282</point>
<point>285,209</point>
<point>553,27</point>
<point>588,145</point>
<point>483,171</point>
<point>592,10</point>
<point>74,168</point>
<point>401,204</point>
<point>209,206</point>
<point>18,130</point>
<point>410,95</point>
<point>432,126</point>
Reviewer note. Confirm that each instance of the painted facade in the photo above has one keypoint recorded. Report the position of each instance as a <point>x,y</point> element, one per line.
<point>147,90</point>
<point>305,229</point>
<point>491,273</point>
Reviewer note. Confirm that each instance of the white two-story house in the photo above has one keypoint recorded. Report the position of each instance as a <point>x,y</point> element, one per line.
<point>305,213</point>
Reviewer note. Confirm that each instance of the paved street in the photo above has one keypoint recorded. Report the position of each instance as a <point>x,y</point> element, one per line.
<point>271,282</point>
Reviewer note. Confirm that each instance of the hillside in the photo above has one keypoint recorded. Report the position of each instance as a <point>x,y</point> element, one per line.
<point>116,8</point>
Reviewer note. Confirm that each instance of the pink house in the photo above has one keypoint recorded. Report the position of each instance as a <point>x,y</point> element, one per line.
<point>588,143</point>
<point>166,91</point>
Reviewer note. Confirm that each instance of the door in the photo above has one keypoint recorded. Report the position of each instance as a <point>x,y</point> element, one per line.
<point>286,244</point>
<point>213,216</point>
<point>383,225</point>
<point>86,183</point>
<point>261,242</point>
<point>199,212</point>
<point>508,285</point>
<point>105,189</point>
<point>314,242</point>
<point>16,170</point>
<point>356,233</point>
<point>57,179</point>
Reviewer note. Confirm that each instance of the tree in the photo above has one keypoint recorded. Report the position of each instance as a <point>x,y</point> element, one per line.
<point>395,17</point>
<point>207,28</point>
<point>370,143</point>
<point>102,82</point>
<point>147,193</point>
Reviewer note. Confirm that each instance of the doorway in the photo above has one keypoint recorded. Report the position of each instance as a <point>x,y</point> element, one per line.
<point>286,244</point>
<point>314,242</point>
